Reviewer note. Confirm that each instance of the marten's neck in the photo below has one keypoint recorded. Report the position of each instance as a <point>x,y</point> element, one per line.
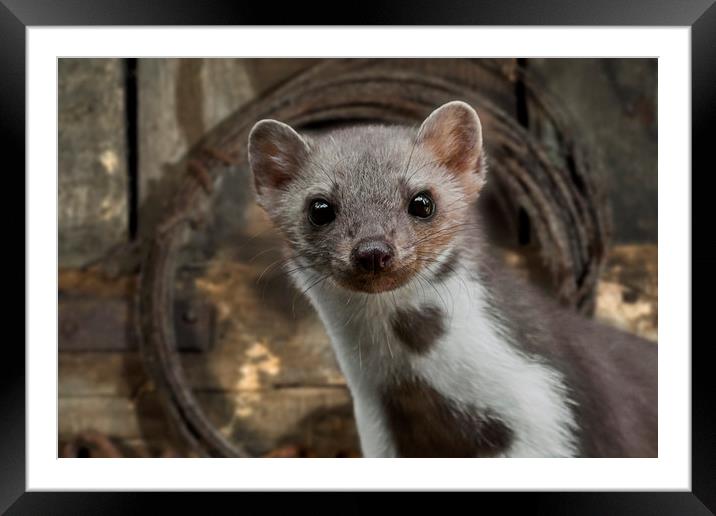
<point>434,369</point>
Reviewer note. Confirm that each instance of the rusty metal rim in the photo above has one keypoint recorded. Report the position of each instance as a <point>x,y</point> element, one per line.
<point>351,89</point>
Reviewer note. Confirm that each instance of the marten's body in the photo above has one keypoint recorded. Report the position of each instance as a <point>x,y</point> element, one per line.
<point>446,354</point>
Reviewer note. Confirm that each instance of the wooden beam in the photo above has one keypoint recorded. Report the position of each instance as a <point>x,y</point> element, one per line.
<point>92,151</point>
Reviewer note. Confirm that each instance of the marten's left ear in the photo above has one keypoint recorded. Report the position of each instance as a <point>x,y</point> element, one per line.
<point>453,134</point>
<point>276,155</point>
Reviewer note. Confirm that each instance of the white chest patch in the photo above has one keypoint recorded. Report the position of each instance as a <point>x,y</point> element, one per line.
<point>470,360</point>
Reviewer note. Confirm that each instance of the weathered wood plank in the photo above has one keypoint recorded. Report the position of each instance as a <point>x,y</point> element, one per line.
<point>96,313</point>
<point>88,325</point>
<point>318,419</point>
<point>125,418</point>
<point>92,148</point>
<point>93,374</point>
<point>250,368</point>
<point>92,445</point>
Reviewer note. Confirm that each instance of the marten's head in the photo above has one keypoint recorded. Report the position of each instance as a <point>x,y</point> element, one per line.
<point>371,207</point>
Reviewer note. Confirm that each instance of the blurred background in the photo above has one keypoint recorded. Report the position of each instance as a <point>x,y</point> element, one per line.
<point>254,355</point>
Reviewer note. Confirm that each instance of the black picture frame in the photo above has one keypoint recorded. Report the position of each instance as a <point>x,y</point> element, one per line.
<point>17,15</point>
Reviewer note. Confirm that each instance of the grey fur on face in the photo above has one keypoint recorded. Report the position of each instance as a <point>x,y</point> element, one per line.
<point>369,175</point>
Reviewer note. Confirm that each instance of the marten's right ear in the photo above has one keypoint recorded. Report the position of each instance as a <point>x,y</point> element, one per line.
<point>453,134</point>
<point>276,153</point>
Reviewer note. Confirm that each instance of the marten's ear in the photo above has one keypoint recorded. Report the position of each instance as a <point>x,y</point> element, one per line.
<point>453,134</point>
<point>276,153</point>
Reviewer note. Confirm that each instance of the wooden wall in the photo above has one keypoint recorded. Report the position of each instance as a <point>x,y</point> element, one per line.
<point>125,127</point>
<point>612,101</point>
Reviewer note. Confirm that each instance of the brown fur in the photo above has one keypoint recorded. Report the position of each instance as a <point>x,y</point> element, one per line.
<point>425,424</point>
<point>418,329</point>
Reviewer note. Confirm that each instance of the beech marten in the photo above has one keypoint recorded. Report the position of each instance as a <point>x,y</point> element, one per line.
<point>445,352</point>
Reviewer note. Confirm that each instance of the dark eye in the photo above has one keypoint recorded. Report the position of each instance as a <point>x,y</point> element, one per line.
<point>320,212</point>
<point>421,206</point>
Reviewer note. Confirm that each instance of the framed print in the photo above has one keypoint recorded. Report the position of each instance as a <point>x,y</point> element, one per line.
<point>449,249</point>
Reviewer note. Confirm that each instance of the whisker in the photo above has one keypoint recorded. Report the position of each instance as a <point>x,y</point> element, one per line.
<point>270,249</point>
<point>434,288</point>
<point>318,281</point>
<point>442,231</point>
<point>280,261</point>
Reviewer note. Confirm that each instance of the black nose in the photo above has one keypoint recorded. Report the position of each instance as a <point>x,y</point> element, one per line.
<point>373,255</point>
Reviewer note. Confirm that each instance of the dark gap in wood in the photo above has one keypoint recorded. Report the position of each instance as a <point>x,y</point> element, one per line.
<point>521,95</point>
<point>131,110</point>
<point>576,178</point>
<point>524,227</point>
